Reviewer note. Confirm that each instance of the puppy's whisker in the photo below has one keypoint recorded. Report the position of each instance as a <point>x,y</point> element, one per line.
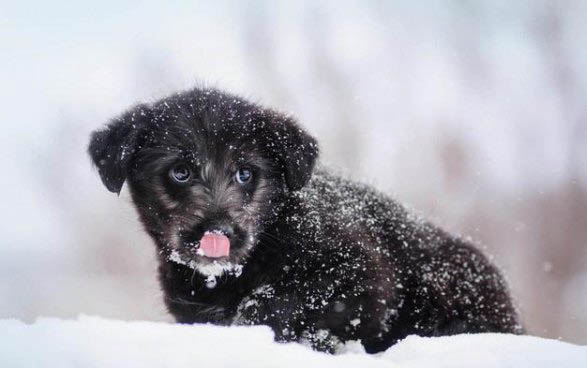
<point>192,278</point>
<point>270,236</point>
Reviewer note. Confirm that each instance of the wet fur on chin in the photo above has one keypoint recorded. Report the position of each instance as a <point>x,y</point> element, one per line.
<point>318,258</point>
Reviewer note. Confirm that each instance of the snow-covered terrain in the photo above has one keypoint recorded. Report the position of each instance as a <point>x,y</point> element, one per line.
<point>471,112</point>
<point>97,342</point>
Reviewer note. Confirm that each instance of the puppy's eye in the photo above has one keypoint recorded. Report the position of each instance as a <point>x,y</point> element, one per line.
<point>180,174</point>
<point>243,175</point>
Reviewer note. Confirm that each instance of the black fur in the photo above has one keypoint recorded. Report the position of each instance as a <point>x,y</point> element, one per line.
<point>316,257</point>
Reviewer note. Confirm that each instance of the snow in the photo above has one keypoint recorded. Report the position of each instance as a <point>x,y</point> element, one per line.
<point>97,342</point>
<point>213,269</point>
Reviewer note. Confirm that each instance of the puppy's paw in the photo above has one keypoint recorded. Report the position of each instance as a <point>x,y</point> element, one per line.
<point>320,340</point>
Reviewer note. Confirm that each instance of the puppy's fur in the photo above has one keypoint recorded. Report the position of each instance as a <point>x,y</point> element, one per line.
<point>318,258</point>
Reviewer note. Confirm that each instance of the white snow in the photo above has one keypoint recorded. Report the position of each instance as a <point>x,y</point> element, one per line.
<point>213,269</point>
<point>176,257</point>
<point>217,268</point>
<point>96,342</point>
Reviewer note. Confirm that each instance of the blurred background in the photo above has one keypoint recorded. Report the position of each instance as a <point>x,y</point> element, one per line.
<point>473,113</point>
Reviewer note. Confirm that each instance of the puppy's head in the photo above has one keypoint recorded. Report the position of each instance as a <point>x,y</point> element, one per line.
<point>206,171</point>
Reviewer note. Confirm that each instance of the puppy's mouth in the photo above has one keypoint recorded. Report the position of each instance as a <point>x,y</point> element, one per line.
<point>212,252</point>
<point>214,245</point>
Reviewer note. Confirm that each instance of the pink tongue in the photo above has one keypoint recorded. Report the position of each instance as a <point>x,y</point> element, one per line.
<point>215,245</point>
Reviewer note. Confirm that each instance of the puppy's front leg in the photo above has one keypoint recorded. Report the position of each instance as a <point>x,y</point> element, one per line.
<point>287,317</point>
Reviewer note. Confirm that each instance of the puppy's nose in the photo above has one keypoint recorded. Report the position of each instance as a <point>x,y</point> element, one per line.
<point>224,229</point>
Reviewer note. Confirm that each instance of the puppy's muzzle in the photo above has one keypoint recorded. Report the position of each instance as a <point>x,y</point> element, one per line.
<point>210,239</point>
<point>215,243</point>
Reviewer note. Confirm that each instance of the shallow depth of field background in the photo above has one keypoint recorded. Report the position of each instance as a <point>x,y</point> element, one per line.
<point>472,113</point>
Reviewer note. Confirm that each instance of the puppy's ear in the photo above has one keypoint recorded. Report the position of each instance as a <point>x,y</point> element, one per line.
<point>295,150</point>
<point>112,148</point>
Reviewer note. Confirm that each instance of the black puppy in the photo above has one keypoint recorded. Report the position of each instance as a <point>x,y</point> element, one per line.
<point>249,232</point>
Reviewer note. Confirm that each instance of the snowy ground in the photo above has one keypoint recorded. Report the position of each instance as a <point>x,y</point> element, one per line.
<point>97,342</point>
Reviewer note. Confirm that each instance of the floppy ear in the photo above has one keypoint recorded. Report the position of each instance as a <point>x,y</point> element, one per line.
<point>112,148</point>
<point>295,150</point>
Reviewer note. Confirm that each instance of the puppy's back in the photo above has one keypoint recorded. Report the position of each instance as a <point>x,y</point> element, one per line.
<point>408,276</point>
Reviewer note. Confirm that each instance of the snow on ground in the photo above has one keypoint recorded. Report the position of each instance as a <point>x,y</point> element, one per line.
<point>97,342</point>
